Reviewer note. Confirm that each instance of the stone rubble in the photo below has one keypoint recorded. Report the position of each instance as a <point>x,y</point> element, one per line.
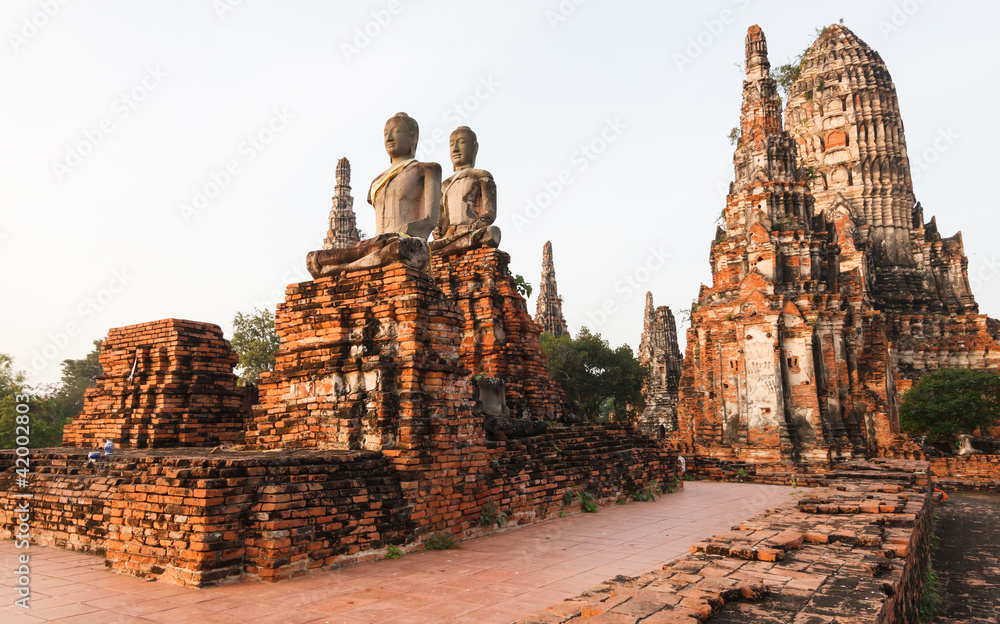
<point>855,551</point>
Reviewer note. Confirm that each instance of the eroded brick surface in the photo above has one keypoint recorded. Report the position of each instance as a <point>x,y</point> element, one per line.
<point>499,337</point>
<point>854,551</point>
<point>974,472</point>
<point>166,383</point>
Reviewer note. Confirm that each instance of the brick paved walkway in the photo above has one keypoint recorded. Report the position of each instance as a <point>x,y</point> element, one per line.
<point>968,558</point>
<point>491,579</point>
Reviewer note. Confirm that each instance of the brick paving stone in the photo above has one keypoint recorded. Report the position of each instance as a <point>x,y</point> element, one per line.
<point>867,568</point>
<point>968,558</point>
<point>422,587</point>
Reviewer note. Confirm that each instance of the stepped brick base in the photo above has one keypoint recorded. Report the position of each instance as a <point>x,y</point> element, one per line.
<point>191,517</point>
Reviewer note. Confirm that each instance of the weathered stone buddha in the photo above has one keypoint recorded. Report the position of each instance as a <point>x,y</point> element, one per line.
<point>407,195</point>
<point>468,200</point>
<point>407,202</point>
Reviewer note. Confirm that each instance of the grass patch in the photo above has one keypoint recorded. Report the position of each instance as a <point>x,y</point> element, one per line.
<point>439,541</point>
<point>931,596</point>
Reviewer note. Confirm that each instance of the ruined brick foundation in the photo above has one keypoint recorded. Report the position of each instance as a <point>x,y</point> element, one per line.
<point>191,517</point>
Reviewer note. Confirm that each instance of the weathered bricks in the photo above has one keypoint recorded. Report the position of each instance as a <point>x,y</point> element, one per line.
<point>800,580</point>
<point>165,384</point>
<point>499,337</point>
<point>974,472</point>
<point>364,437</point>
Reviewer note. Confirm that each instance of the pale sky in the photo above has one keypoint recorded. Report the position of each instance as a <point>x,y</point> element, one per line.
<point>604,124</point>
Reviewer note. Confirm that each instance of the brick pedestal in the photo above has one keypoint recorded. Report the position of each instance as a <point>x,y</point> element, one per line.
<point>499,339</point>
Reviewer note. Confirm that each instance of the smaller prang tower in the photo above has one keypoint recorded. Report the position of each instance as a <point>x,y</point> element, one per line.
<point>549,312</point>
<point>343,230</point>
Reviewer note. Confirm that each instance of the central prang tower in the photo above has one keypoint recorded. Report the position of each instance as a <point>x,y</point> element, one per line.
<point>768,375</point>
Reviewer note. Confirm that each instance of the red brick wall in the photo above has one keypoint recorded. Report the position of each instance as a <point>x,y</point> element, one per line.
<point>195,518</point>
<point>975,472</point>
<point>531,476</point>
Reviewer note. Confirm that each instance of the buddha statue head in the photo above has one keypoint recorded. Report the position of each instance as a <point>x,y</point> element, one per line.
<point>464,148</point>
<point>401,134</point>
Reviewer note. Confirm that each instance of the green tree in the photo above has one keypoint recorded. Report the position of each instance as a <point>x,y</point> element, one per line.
<point>951,401</point>
<point>255,341</point>
<point>77,376</point>
<point>11,383</point>
<point>50,407</point>
<point>597,378</point>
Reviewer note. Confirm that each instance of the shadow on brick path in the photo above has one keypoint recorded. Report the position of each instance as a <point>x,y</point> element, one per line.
<point>968,558</point>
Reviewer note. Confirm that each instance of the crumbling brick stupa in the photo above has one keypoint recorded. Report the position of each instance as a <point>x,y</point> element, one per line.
<point>827,300</point>
<point>166,383</point>
<point>844,115</point>
<point>659,352</point>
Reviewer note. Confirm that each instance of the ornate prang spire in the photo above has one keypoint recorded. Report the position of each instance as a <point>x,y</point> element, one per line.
<point>549,312</point>
<point>658,350</point>
<point>648,318</point>
<point>769,182</point>
<point>761,103</point>
<point>844,107</point>
<point>343,230</point>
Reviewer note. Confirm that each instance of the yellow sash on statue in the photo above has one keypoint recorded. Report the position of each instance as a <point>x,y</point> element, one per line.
<point>387,177</point>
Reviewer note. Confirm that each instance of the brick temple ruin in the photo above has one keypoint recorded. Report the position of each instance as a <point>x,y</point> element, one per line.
<point>548,311</point>
<point>410,396</point>
<point>410,393</point>
<point>830,295</point>
<point>659,352</point>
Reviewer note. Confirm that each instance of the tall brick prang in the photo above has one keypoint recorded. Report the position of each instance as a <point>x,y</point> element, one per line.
<point>549,312</point>
<point>830,296</point>
<point>844,114</point>
<point>658,350</point>
<point>768,375</point>
<point>343,230</point>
